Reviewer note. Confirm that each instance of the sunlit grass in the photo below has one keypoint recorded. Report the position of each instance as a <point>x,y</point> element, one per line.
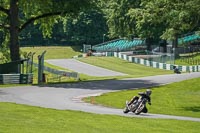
<point>26,119</point>
<point>119,65</point>
<point>180,98</point>
<point>53,52</point>
<point>131,69</point>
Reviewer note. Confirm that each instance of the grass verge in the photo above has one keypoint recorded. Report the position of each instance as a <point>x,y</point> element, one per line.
<point>22,119</point>
<point>119,65</point>
<point>53,52</point>
<point>133,70</point>
<point>181,98</point>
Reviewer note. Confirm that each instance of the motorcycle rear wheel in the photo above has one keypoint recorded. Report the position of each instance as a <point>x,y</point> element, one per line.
<point>139,109</point>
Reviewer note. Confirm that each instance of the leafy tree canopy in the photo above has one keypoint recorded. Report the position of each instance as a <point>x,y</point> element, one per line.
<point>153,18</point>
<point>15,15</point>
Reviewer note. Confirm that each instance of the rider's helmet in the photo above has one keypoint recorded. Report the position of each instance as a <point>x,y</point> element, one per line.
<point>148,92</point>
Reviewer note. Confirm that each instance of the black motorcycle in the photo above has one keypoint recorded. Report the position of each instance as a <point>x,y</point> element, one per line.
<point>137,107</point>
<point>176,70</point>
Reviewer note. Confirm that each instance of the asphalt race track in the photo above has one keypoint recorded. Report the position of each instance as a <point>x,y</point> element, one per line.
<point>84,68</point>
<point>68,96</point>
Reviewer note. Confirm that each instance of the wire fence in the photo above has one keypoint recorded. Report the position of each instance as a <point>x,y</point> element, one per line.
<point>158,57</point>
<point>55,75</point>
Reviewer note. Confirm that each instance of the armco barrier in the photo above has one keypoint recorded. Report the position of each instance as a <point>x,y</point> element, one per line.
<point>16,78</point>
<point>156,64</point>
<point>74,75</point>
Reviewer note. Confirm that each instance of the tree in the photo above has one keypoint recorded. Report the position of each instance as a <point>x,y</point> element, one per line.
<point>15,15</point>
<point>167,18</point>
<point>118,20</point>
<point>88,28</point>
<point>152,19</point>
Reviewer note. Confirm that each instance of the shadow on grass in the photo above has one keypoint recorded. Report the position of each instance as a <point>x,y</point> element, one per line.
<point>193,109</point>
<point>76,48</point>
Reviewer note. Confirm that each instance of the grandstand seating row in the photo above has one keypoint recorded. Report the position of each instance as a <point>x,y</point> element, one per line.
<point>118,45</point>
<point>124,45</point>
<point>188,39</point>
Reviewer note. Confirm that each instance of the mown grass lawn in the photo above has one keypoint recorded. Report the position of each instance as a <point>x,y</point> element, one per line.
<point>177,99</point>
<point>112,63</point>
<point>181,98</point>
<point>53,52</point>
<point>119,65</point>
<point>27,119</point>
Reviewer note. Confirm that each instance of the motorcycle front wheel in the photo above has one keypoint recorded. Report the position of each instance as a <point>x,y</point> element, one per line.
<point>126,110</point>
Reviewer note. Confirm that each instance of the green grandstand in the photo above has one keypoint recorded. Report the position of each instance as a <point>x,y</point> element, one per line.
<point>127,45</point>
<point>191,38</point>
<point>118,45</point>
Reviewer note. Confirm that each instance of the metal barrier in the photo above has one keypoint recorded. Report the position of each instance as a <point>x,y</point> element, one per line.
<point>16,78</point>
<point>60,73</point>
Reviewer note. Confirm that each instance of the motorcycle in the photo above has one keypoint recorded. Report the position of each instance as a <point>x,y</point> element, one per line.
<point>137,107</point>
<point>176,70</point>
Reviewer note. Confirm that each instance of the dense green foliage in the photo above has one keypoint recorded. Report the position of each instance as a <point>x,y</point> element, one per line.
<point>88,22</point>
<point>16,15</point>
<point>87,28</point>
<point>153,18</point>
<point>23,119</point>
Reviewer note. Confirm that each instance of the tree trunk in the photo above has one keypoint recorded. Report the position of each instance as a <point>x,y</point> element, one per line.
<point>149,43</point>
<point>14,30</point>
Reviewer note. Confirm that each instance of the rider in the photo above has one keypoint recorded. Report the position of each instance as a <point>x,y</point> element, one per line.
<point>142,94</point>
<point>176,70</point>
